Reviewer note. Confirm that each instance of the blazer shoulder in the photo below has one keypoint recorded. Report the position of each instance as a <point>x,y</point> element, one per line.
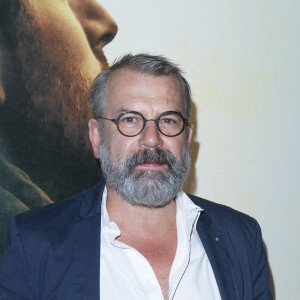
<point>224,216</point>
<point>242,246</point>
<point>56,214</point>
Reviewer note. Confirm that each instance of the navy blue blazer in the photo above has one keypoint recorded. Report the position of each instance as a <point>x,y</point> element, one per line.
<point>54,251</point>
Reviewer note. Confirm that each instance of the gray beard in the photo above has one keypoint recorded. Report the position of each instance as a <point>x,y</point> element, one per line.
<point>150,188</point>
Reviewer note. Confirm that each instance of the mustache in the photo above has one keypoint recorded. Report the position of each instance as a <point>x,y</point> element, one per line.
<point>157,155</point>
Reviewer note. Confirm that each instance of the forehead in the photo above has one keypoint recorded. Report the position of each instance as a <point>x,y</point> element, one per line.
<point>132,90</point>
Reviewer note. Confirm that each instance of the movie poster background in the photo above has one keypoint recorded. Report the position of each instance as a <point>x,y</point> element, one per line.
<point>242,60</point>
<point>51,51</point>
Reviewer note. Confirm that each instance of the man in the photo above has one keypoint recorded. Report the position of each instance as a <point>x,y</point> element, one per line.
<point>137,235</point>
<point>50,53</point>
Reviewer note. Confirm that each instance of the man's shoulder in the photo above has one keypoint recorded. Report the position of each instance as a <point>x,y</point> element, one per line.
<point>64,212</point>
<point>222,216</point>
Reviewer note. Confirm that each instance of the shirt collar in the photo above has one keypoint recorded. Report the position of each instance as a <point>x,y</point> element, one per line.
<point>187,214</point>
<point>105,220</point>
<point>186,204</point>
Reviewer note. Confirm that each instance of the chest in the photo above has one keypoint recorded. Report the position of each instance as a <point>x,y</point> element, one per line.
<point>159,253</point>
<point>144,272</point>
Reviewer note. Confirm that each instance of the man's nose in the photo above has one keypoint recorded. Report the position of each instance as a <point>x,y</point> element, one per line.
<point>150,137</point>
<point>100,28</point>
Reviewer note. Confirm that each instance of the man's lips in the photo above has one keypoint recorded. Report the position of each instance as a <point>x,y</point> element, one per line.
<point>152,165</point>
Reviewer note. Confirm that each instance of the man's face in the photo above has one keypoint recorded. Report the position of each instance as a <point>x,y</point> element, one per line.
<point>150,154</point>
<point>150,96</point>
<point>59,51</point>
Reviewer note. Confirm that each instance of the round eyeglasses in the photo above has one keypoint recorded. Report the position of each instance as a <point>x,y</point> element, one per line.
<point>132,123</point>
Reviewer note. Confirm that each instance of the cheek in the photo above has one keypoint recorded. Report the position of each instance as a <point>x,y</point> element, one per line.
<point>181,152</point>
<point>60,30</point>
<point>175,144</point>
<point>120,145</point>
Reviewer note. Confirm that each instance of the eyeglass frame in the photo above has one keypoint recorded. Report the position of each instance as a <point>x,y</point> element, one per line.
<point>116,121</point>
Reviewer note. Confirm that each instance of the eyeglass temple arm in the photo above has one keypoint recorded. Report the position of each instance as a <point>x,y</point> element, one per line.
<point>113,120</point>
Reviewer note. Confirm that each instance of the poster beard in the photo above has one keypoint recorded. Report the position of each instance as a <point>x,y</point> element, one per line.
<point>48,110</point>
<point>57,88</point>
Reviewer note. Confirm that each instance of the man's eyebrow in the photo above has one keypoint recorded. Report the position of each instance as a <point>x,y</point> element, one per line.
<point>122,110</point>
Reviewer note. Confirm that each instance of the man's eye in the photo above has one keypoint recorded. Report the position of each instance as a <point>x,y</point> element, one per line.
<point>168,121</point>
<point>129,120</point>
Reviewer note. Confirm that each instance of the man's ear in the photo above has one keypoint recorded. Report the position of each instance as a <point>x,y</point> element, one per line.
<point>94,136</point>
<point>190,132</point>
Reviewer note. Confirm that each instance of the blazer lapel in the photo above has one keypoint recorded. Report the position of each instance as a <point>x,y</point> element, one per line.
<point>87,246</point>
<point>218,256</point>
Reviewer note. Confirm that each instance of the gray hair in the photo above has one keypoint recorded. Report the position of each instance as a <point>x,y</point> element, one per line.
<point>143,63</point>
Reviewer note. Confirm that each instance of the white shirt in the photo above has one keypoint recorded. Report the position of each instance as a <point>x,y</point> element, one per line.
<point>126,274</point>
